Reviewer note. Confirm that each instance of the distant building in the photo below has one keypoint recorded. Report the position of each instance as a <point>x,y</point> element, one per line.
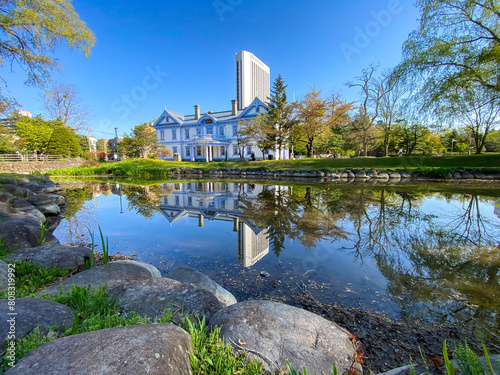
<point>92,144</point>
<point>253,79</point>
<point>209,201</point>
<point>10,122</point>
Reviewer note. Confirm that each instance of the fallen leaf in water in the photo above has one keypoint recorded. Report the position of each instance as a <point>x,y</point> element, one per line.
<point>241,342</point>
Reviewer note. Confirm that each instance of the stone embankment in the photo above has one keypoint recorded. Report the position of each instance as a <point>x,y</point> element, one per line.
<point>39,166</point>
<point>270,332</point>
<point>371,176</point>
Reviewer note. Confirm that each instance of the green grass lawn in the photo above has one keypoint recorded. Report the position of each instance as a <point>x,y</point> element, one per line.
<point>159,168</point>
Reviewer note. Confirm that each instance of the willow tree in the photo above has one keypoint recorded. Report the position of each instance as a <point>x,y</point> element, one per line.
<point>456,45</point>
<point>32,30</point>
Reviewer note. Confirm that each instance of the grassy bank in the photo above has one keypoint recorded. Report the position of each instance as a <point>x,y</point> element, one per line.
<point>159,168</point>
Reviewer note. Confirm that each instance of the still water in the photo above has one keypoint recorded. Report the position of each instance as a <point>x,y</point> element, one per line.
<point>427,253</point>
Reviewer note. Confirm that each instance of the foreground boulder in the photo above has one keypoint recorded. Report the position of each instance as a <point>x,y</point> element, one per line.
<point>44,204</point>
<point>152,349</point>
<point>189,275</point>
<point>112,274</point>
<point>55,255</point>
<point>155,273</point>
<point>273,333</point>
<point>20,205</point>
<point>32,313</point>
<point>153,297</point>
<point>21,231</point>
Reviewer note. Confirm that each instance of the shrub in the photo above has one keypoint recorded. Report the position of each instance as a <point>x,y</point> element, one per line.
<point>64,141</point>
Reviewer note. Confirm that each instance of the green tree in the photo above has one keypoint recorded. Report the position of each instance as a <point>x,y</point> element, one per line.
<point>313,120</point>
<point>141,141</point>
<point>474,108</point>
<point>6,141</point>
<point>492,143</point>
<point>32,30</point>
<point>455,46</point>
<point>280,115</point>
<point>64,141</point>
<point>258,130</point>
<point>34,133</point>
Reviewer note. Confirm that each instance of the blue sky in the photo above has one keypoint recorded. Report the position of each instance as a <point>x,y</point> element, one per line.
<point>153,54</point>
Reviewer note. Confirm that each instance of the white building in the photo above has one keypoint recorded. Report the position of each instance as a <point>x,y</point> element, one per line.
<point>253,79</point>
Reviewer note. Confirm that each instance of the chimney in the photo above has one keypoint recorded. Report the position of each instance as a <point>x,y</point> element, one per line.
<point>234,103</point>
<point>196,112</point>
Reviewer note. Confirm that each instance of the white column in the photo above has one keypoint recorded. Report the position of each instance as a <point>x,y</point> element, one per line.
<point>206,153</point>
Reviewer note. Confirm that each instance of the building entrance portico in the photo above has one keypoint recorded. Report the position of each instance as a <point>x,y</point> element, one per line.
<point>207,150</point>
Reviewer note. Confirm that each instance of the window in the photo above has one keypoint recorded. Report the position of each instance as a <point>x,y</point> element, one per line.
<point>201,203</point>
<point>235,130</point>
<point>174,150</point>
<point>211,204</point>
<point>210,131</point>
<point>174,134</point>
<point>198,150</point>
<point>223,150</point>
<point>189,185</point>
<point>188,151</point>
<point>190,201</point>
<point>249,150</point>
<point>176,200</point>
<point>236,203</point>
<point>186,133</point>
<point>162,135</point>
<point>221,130</point>
<point>223,203</point>
<point>235,150</point>
<point>198,131</point>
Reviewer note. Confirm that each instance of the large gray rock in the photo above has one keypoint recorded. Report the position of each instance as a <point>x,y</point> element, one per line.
<point>20,205</point>
<point>32,313</point>
<point>56,198</point>
<point>15,190</point>
<point>4,271</point>
<point>153,297</point>
<point>155,273</point>
<point>6,197</point>
<point>20,231</point>
<point>56,255</point>
<point>112,274</point>
<point>273,333</point>
<point>32,186</point>
<point>44,204</point>
<point>189,275</point>
<point>153,349</point>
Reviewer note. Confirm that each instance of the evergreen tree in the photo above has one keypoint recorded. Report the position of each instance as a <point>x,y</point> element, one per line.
<point>64,141</point>
<point>279,115</point>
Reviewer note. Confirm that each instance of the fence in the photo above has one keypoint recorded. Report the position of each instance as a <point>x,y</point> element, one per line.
<point>28,157</point>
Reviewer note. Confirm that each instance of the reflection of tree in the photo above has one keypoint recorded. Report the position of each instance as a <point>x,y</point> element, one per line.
<point>301,214</point>
<point>448,270</point>
<point>144,200</point>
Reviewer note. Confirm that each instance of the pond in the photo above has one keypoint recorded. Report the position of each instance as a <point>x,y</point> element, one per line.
<point>413,253</point>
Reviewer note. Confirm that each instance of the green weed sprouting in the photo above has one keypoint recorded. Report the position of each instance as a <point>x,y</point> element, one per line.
<point>212,356</point>
<point>90,262</point>
<point>42,232</point>
<point>105,247</point>
<point>468,362</point>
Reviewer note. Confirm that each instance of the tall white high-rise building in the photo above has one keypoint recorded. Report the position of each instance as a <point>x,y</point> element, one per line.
<point>253,79</point>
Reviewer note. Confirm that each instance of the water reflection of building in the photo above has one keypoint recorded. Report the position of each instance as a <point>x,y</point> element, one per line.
<point>209,201</point>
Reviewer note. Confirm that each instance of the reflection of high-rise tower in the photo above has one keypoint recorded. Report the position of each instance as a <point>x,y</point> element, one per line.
<point>253,244</point>
<point>218,201</point>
